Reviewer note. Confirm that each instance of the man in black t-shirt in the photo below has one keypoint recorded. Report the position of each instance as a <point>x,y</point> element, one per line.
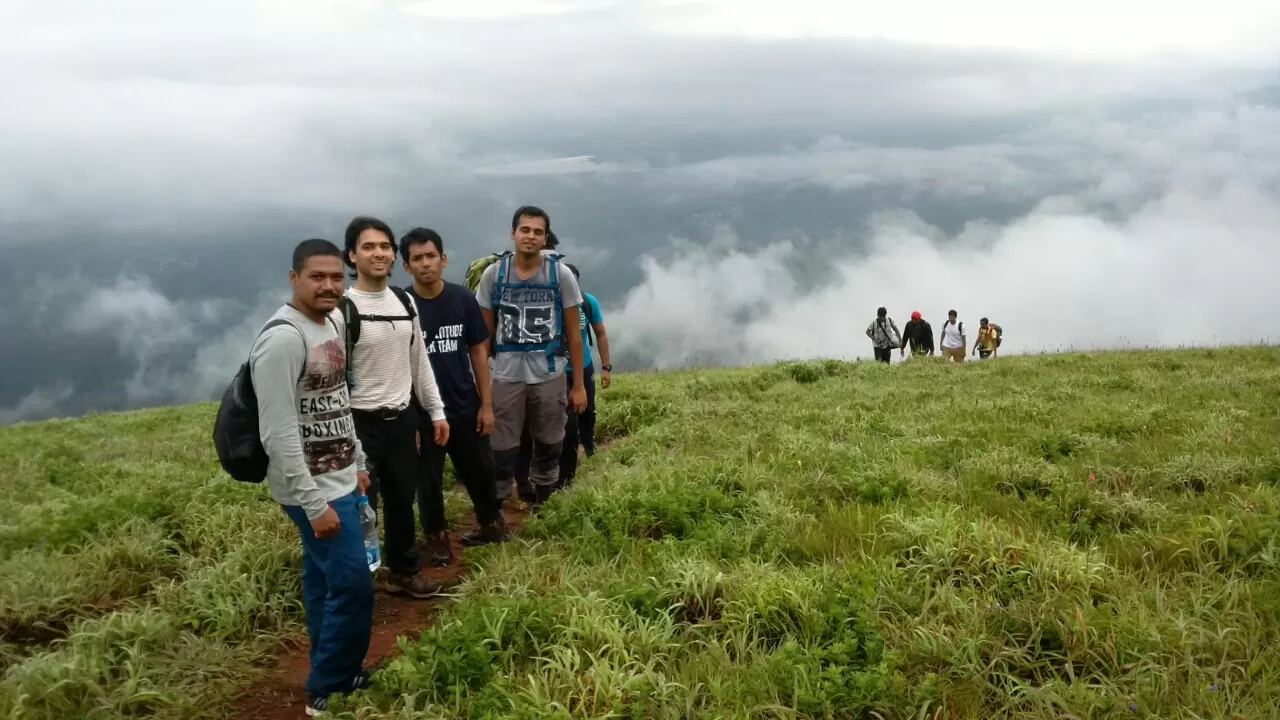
<point>455,335</point>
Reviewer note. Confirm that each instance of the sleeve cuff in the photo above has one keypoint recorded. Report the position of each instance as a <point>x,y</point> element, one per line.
<point>315,511</point>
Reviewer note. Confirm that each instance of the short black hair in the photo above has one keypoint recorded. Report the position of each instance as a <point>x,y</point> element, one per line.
<point>359,224</point>
<point>574,268</point>
<point>418,236</point>
<point>984,320</point>
<point>310,248</point>
<point>882,311</point>
<point>531,211</point>
<point>552,240</point>
<point>952,312</point>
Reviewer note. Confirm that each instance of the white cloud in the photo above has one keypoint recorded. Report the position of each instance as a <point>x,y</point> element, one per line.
<point>144,114</point>
<point>498,9</point>
<point>1190,268</point>
<point>1234,27</point>
<point>151,328</point>
<point>579,164</point>
<point>1108,160</point>
<point>151,112</point>
<point>41,402</point>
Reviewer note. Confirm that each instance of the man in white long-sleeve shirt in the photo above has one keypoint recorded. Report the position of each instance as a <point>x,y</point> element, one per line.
<point>316,467</point>
<point>388,370</point>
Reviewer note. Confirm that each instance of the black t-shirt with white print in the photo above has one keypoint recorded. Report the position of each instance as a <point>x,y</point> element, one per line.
<point>458,324</point>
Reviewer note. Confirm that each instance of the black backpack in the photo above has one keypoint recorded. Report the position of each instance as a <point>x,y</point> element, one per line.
<point>236,436</point>
<point>352,318</point>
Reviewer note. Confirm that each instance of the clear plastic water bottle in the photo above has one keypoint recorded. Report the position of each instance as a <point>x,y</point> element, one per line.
<point>369,524</point>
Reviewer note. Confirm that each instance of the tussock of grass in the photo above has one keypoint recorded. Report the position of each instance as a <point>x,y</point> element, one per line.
<point>1075,535</point>
<point>135,579</point>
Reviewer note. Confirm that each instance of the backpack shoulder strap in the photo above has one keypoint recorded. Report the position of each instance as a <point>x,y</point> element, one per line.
<point>405,300</point>
<point>590,315</point>
<point>351,333</point>
<point>503,261</point>
<point>351,319</point>
<point>281,321</point>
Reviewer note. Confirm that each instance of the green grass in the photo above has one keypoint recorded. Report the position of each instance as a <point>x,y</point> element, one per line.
<point>1086,536</point>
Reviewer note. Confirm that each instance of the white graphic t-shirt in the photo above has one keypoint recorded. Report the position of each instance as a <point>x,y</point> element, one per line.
<point>304,412</point>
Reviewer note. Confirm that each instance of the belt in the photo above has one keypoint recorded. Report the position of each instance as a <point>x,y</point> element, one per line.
<point>383,413</point>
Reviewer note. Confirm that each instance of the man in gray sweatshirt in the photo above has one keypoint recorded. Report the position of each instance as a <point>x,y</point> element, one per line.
<point>316,467</point>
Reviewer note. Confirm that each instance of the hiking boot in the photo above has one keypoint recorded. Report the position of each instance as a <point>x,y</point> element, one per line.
<point>496,531</point>
<point>438,548</point>
<point>543,494</point>
<point>413,585</point>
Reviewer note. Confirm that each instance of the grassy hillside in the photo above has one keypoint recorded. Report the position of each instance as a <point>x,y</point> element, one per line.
<point>1093,535</point>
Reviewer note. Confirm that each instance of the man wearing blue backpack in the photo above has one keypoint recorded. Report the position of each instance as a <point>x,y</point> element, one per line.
<point>530,304</point>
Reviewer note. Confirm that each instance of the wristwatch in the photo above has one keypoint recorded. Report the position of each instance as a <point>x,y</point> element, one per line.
<point>607,368</point>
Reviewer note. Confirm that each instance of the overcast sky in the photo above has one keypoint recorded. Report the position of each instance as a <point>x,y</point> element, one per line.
<point>1090,175</point>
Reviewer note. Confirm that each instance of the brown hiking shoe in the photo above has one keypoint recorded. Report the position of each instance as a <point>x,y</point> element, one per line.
<point>438,549</point>
<point>496,531</point>
<point>412,585</point>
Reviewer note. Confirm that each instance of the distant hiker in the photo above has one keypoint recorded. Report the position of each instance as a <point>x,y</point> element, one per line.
<point>988,341</point>
<point>591,320</point>
<point>884,335</point>
<point>388,371</point>
<point>952,338</point>
<point>919,334</point>
<point>455,336</point>
<point>533,299</point>
<point>316,468</point>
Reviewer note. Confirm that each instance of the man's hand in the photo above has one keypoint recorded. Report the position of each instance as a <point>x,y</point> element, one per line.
<point>327,524</point>
<point>484,420</point>
<point>442,432</point>
<point>902,352</point>
<point>604,378</point>
<point>362,481</point>
<point>417,442</point>
<point>578,398</point>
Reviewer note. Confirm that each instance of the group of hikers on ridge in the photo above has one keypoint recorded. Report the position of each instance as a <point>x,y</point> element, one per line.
<point>362,391</point>
<point>885,337</point>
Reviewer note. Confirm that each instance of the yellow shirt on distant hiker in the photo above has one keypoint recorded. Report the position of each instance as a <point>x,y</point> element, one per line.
<point>987,340</point>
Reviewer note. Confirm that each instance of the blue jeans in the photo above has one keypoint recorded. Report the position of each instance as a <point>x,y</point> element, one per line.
<point>337,597</point>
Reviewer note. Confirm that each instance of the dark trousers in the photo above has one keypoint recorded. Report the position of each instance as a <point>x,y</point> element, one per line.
<point>394,467</point>
<point>884,354</point>
<point>337,597</point>
<point>473,464</point>
<point>568,452</point>
<point>587,420</point>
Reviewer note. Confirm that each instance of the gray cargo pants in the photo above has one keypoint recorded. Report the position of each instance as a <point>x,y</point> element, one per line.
<point>542,407</point>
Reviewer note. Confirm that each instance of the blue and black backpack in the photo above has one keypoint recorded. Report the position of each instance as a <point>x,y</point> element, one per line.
<point>557,346</point>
